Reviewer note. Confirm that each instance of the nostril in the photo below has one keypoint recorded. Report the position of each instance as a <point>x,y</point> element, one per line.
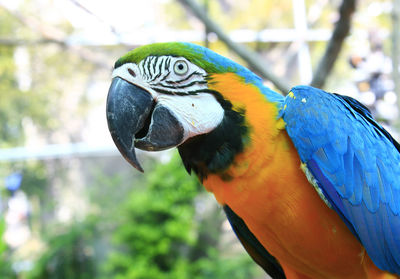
<point>131,72</point>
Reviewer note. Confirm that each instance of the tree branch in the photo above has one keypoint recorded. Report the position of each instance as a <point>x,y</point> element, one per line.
<point>334,46</point>
<point>88,11</point>
<point>50,34</point>
<point>252,58</point>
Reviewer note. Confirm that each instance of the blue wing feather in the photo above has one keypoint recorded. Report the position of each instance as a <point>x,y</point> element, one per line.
<point>356,163</point>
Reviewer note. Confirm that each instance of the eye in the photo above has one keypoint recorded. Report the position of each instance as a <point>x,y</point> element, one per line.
<point>181,67</point>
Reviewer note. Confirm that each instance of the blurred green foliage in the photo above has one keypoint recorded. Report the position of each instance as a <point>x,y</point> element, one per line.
<point>159,236</point>
<point>69,254</point>
<point>156,233</point>
<point>6,270</point>
<point>16,105</point>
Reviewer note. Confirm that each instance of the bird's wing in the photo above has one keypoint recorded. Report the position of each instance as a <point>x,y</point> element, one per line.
<point>355,164</point>
<point>255,249</point>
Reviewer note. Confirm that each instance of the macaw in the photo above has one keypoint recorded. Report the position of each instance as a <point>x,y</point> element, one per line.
<point>309,182</point>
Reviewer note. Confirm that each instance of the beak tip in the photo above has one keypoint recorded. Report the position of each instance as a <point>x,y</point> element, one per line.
<point>130,156</point>
<point>139,168</point>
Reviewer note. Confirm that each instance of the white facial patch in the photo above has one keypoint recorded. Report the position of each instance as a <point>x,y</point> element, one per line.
<point>125,72</point>
<point>183,91</point>
<point>199,114</point>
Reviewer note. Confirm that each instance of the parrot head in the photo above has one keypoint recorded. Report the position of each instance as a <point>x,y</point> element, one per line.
<point>168,95</point>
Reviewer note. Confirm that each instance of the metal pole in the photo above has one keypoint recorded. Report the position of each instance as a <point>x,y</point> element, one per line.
<point>56,151</point>
<point>303,57</point>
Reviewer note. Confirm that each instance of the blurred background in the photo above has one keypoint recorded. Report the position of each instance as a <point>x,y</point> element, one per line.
<point>70,206</point>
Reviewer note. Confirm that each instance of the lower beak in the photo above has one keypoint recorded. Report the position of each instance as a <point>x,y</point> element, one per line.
<point>136,120</point>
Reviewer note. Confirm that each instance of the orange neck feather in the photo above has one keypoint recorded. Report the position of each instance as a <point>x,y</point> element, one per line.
<point>269,191</point>
<point>261,117</point>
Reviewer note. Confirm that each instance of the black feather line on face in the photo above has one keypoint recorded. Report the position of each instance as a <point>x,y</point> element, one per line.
<point>160,72</point>
<point>146,70</point>
<point>154,61</point>
<point>166,76</point>
<point>162,91</point>
<point>215,152</point>
<point>181,86</point>
<point>185,79</point>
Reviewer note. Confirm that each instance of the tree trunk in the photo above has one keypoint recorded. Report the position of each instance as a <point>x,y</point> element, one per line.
<point>342,29</point>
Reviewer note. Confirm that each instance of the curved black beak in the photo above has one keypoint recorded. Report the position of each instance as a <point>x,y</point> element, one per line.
<point>128,107</point>
<point>165,131</point>
<point>135,120</point>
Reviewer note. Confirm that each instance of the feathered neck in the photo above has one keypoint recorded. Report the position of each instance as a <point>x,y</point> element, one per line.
<point>250,119</point>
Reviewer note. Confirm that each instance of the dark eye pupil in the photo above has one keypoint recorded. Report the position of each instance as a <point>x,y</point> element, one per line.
<point>180,66</point>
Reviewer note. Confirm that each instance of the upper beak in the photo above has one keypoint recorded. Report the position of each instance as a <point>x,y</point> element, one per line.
<point>127,109</point>
<point>135,119</point>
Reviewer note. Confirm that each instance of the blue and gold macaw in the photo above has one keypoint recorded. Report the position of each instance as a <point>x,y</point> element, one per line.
<point>310,181</point>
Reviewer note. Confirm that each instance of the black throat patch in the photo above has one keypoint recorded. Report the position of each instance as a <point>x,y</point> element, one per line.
<point>215,152</point>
